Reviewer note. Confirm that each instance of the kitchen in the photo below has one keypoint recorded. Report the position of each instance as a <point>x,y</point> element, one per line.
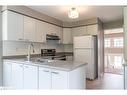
<point>47,40</point>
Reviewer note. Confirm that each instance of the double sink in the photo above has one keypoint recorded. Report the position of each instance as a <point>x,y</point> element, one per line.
<point>38,61</point>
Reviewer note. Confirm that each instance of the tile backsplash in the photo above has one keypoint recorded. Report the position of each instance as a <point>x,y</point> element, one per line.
<point>20,48</point>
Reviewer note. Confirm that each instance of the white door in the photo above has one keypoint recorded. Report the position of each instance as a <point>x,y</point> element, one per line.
<point>67,36</point>
<point>17,76</point>
<point>7,74</point>
<point>30,77</point>
<point>44,78</point>
<point>29,29</point>
<point>12,26</point>
<point>59,79</point>
<point>85,55</point>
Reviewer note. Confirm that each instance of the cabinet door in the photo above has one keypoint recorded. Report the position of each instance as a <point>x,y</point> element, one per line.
<point>125,77</point>
<point>67,36</point>
<point>79,31</point>
<point>55,30</point>
<point>12,26</point>
<point>17,76</point>
<point>44,78</point>
<point>59,79</point>
<point>29,29</point>
<point>7,74</point>
<point>30,77</point>
<point>59,32</point>
<point>41,29</point>
<point>92,29</point>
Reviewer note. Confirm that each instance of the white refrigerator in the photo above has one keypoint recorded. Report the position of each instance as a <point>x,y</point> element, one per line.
<point>85,50</point>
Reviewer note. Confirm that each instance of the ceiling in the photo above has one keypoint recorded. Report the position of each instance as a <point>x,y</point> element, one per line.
<point>105,13</point>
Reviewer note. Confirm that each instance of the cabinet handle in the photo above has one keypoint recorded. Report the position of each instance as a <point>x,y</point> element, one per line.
<point>55,72</point>
<point>45,70</point>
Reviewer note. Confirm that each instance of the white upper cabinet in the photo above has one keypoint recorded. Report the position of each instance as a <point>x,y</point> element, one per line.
<point>79,31</point>
<point>29,29</point>
<point>67,36</point>
<point>92,29</point>
<point>41,29</point>
<point>12,26</point>
<point>55,30</point>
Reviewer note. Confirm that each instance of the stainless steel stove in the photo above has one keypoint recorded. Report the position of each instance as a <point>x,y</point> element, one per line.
<point>51,54</point>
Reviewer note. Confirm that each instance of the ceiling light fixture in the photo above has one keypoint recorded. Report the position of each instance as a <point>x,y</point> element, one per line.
<point>73,13</point>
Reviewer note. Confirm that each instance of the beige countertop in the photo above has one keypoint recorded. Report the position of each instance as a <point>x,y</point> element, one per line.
<point>53,64</point>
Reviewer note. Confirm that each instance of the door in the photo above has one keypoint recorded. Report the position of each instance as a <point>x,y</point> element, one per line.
<point>59,79</point>
<point>44,78</point>
<point>7,74</point>
<point>30,77</point>
<point>17,76</point>
<point>29,29</point>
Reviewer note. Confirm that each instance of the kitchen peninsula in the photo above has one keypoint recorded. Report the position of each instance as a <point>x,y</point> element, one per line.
<point>44,74</point>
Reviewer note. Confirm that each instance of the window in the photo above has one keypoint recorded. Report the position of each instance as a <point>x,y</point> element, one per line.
<point>107,43</point>
<point>118,42</point>
<point>117,61</point>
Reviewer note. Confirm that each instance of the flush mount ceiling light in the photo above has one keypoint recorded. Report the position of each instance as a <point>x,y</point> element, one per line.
<point>73,13</point>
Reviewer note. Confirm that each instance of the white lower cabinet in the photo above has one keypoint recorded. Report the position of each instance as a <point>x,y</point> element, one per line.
<point>44,78</point>
<point>7,71</point>
<point>17,76</point>
<point>30,77</point>
<point>59,79</point>
<point>22,76</point>
<point>125,77</point>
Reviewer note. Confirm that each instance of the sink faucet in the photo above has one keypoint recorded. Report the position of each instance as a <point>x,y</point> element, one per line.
<point>29,50</point>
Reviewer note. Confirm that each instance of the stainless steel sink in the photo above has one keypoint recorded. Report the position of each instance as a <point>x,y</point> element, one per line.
<point>39,60</point>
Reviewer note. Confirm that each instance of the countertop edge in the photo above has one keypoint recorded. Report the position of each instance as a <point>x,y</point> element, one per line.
<point>46,66</point>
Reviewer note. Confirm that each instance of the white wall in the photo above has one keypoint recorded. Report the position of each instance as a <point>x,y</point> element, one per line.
<point>20,48</point>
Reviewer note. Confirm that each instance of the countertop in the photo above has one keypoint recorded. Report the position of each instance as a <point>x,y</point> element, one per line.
<point>125,64</point>
<point>53,64</point>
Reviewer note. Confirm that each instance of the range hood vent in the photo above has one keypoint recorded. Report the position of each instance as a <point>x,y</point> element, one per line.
<point>52,37</point>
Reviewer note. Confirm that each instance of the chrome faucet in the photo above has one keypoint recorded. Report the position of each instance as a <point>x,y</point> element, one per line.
<point>29,51</point>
